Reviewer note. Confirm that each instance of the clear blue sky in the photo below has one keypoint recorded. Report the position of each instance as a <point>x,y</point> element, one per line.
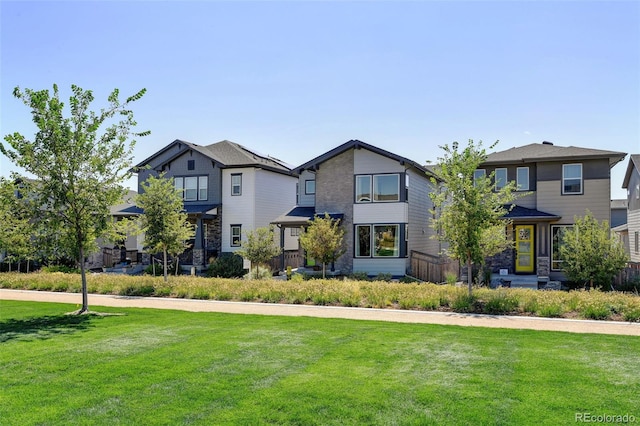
<point>295,79</point>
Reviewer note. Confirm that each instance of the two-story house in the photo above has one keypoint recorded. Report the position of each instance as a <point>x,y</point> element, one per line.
<point>561,183</point>
<point>631,183</point>
<point>381,200</point>
<point>228,190</point>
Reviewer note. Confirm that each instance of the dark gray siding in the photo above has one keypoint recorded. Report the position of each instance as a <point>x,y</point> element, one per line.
<point>591,169</point>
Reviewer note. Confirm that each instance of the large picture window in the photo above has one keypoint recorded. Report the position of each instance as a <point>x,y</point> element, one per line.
<point>309,187</point>
<point>377,188</point>
<point>557,232</point>
<point>193,188</point>
<point>378,241</point>
<point>572,178</point>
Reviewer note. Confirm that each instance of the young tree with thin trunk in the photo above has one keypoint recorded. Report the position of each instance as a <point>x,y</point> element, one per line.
<point>165,225</point>
<point>590,254</point>
<point>79,168</point>
<point>469,213</point>
<point>323,240</point>
<point>259,247</point>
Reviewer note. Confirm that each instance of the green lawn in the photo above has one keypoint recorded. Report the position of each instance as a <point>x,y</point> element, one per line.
<point>150,367</point>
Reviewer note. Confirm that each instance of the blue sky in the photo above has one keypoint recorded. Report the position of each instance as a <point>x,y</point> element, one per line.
<point>295,79</point>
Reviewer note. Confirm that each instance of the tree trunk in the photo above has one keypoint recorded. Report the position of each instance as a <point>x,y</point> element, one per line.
<point>469,276</point>
<point>165,265</point>
<point>85,297</point>
<point>323,269</point>
<point>176,271</point>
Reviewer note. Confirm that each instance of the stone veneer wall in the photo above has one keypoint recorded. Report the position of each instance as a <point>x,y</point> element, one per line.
<point>334,194</point>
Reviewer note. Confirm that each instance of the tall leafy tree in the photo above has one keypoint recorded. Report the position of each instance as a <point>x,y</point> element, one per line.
<point>469,213</point>
<point>259,246</point>
<point>164,223</point>
<point>590,254</point>
<point>79,162</point>
<point>323,240</point>
<point>15,229</point>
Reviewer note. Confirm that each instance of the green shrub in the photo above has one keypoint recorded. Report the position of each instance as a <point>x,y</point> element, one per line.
<point>550,311</point>
<point>383,276</point>
<point>359,276</point>
<point>60,268</point>
<point>500,303</point>
<point>263,274</point>
<point>632,314</point>
<point>451,278</point>
<point>463,303</point>
<point>159,269</point>
<point>596,311</point>
<point>137,290</point>
<point>227,265</point>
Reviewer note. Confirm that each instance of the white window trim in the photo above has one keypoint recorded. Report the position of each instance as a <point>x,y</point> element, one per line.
<point>236,185</point>
<point>306,187</point>
<point>506,178</point>
<point>581,179</point>
<point>202,184</point>
<point>373,188</point>
<point>519,185</point>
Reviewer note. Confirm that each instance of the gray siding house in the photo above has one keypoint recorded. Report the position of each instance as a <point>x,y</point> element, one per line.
<point>381,200</point>
<point>227,189</point>
<point>632,184</point>
<point>561,182</point>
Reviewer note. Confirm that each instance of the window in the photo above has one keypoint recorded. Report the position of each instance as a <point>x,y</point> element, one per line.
<point>309,187</point>
<point>478,174</point>
<point>572,178</point>
<point>193,188</point>
<point>501,178</point>
<point>378,241</point>
<point>191,165</point>
<point>522,179</point>
<point>557,231</point>
<point>636,234</point>
<point>363,189</point>
<point>295,232</point>
<point>363,247</point>
<point>386,188</point>
<point>236,235</point>
<point>202,187</point>
<point>236,184</point>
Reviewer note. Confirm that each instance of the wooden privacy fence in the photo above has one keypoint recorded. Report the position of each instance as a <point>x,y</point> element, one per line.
<point>427,267</point>
<point>291,258</point>
<point>628,274</point>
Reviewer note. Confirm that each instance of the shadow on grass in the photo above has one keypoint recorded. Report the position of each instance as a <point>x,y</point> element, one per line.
<point>44,327</point>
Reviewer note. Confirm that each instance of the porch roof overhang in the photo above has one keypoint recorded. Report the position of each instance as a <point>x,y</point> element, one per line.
<point>300,216</point>
<point>522,214</point>
<point>206,210</point>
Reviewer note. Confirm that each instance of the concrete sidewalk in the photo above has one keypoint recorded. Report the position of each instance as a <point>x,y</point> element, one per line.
<point>392,315</point>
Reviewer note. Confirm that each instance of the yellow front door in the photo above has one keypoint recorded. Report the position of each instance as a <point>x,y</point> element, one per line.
<point>524,248</point>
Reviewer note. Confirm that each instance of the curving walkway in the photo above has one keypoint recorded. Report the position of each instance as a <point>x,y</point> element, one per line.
<point>392,315</point>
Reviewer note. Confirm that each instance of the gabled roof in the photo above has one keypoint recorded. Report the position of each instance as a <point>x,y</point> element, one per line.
<point>299,216</point>
<point>356,144</point>
<point>634,163</point>
<point>546,151</point>
<point>226,154</point>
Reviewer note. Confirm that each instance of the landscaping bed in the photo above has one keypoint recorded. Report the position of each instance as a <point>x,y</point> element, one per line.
<point>582,304</point>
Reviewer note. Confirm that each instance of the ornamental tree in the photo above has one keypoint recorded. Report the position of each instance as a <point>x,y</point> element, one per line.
<point>590,254</point>
<point>323,240</point>
<point>164,223</point>
<point>79,168</point>
<point>259,246</point>
<point>468,212</point>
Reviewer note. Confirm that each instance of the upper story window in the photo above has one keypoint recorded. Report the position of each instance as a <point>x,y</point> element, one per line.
<point>501,178</point>
<point>478,174</point>
<point>309,187</point>
<point>572,178</point>
<point>522,179</point>
<point>193,188</point>
<point>236,184</point>
<point>191,164</point>
<point>378,188</point>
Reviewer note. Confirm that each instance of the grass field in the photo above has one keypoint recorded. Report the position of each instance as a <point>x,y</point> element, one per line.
<point>145,366</point>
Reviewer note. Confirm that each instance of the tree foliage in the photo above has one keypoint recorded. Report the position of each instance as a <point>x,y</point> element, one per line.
<point>469,213</point>
<point>323,240</point>
<point>590,254</point>
<point>15,229</point>
<point>164,223</point>
<point>259,247</point>
<point>78,169</point>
